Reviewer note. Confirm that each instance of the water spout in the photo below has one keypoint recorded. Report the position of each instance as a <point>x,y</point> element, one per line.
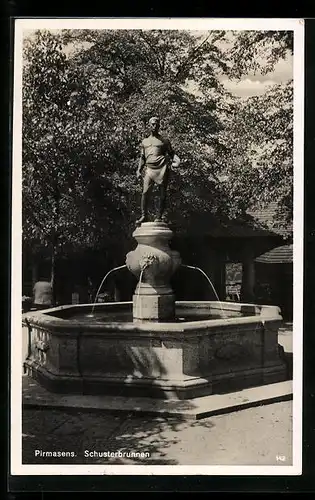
<point>102,282</point>
<point>211,284</point>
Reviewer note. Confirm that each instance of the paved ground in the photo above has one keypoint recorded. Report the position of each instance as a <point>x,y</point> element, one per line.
<point>255,436</point>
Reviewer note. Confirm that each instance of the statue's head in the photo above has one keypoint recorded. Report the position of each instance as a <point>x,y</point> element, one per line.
<point>154,124</point>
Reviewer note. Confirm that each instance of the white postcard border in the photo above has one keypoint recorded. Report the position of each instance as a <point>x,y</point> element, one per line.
<point>297,25</point>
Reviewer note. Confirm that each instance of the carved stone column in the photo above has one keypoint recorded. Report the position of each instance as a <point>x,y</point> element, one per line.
<point>153,263</point>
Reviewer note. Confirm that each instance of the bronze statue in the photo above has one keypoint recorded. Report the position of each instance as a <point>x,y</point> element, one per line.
<point>157,156</point>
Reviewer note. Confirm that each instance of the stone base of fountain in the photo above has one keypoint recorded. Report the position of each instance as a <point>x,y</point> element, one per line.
<point>153,263</point>
<point>175,360</point>
<point>153,307</point>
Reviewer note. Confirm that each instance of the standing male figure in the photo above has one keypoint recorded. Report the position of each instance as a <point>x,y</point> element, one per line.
<point>156,157</point>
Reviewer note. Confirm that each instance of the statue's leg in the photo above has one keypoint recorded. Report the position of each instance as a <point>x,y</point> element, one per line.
<point>145,198</point>
<point>162,200</point>
<point>144,204</point>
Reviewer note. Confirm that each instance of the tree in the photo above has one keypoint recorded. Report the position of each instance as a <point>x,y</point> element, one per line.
<point>259,168</point>
<point>141,73</point>
<point>87,96</point>
<point>67,202</point>
<point>259,131</point>
<point>257,51</point>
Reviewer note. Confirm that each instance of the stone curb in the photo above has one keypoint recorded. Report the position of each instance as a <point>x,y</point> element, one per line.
<point>217,404</point>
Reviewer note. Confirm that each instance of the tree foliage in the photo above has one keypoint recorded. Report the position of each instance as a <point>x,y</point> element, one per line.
<point>260,167</point>
<point>87,96</point>
<point>68,198</point>
<point>85,115</point>
<point>258,51</point>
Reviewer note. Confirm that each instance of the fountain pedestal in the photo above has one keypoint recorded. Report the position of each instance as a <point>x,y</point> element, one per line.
<point>153,263</point>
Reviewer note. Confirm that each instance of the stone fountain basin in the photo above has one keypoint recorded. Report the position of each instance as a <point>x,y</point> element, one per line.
<point>200,353</point>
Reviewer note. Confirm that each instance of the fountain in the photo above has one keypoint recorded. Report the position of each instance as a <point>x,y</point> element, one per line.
<point>154,346</point>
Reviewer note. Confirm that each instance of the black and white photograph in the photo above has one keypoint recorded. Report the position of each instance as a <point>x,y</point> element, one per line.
<point>157,247</point>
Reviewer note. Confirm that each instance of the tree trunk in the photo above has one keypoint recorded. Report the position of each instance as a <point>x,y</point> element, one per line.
<point>219,274</point>
<point>54,242</point>
<point>53,274</point>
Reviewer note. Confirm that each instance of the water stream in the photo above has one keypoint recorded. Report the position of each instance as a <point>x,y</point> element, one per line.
<point>210,283</point>
<point>100,287</point>
<point>140,280</point>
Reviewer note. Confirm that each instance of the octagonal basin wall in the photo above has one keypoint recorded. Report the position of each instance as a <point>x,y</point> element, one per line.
<point>211,348</point>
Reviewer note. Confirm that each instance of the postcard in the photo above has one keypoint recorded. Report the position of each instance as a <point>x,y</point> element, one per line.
<point>157,247</point>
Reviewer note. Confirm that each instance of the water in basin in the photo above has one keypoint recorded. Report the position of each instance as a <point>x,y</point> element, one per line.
<point>119,315</point>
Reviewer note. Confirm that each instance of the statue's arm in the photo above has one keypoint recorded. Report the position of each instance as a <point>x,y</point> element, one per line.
<point>172,154</point>
<point>141,160</point>
<point>170,149</point>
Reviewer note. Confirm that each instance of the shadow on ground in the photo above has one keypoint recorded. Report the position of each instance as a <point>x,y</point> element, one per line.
<point>86,434</point>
